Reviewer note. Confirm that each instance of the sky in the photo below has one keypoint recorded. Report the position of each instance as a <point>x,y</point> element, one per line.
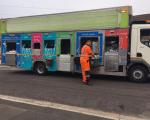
<point>17,8</point>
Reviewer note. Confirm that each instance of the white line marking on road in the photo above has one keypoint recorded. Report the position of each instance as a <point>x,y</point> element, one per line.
<point>75,109</point>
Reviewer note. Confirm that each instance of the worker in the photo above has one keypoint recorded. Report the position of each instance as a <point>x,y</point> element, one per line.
<point>86,53</point>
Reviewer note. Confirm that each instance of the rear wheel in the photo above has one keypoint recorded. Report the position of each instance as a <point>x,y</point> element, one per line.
<point>138,73</point>
<point>40,69</point>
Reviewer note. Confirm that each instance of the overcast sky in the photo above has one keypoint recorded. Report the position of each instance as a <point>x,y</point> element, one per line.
<point>16,8</point>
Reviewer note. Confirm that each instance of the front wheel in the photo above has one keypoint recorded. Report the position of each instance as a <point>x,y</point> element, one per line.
<point>40,69</point>
<point>138,74</point>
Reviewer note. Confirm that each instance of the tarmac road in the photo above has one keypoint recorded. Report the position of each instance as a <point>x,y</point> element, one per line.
<point>107,93</point>
<point>16,111</point>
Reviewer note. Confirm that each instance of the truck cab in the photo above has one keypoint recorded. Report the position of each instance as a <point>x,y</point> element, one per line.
<point>139,63</point>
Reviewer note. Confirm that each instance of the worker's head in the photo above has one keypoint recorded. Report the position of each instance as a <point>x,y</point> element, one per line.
<point>89,43</point>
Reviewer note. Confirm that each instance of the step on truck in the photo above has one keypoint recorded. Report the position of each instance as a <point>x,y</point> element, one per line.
<point>53,42</point>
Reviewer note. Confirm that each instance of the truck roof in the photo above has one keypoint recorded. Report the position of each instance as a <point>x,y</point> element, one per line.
<point>141,17</point>
<point>108,18</point>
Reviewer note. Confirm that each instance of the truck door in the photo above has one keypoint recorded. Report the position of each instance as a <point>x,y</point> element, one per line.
<point>65,56</point>
<point>36,46</point>
<point>26,52</point>
<point>143,47</point>
<point>97,45</point>
<point>18,51</point>
<point>65,51</point>
<point>116,49</point>
<point>111,56</point>
<point>49,50</point>
<point>11,52</point>
<point>11,49</point>
<point>3,50</point>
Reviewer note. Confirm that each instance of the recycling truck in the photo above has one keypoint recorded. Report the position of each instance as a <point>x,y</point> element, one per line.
<point>53,42</point>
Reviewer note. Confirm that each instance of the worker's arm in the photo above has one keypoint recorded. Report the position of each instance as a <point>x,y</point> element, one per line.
<point>91,53</point>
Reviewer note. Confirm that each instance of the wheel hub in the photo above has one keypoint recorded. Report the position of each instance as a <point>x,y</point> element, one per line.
<point>40,69</point>
<point>138,74</point>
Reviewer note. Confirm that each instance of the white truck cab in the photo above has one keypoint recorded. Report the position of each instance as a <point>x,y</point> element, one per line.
<point>139,63</point>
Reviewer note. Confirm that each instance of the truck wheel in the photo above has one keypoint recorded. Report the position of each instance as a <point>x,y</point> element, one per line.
<point>138,74</point>
<point>40,69</point>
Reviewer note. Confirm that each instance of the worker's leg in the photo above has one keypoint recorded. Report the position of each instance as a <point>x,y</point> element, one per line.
<point>87,69</point>
<point>88,75</point>
<point>83,66</point>
<point>84,79</point>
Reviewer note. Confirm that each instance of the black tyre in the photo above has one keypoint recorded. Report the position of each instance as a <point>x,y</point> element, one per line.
<point>138,74</point>
<point>40,68</point>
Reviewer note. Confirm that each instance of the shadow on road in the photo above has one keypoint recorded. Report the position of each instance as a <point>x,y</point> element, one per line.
<point>76,75</point>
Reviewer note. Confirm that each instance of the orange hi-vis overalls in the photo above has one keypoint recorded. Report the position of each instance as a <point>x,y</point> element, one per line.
<point>86,51</point>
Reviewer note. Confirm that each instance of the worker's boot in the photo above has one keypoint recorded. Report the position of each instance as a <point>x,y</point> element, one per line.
<point>88,77</point>
<point>85,83</point>
<point>88,80</point>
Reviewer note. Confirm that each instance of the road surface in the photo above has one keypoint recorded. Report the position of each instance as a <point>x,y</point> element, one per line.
<point>106,93</point>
